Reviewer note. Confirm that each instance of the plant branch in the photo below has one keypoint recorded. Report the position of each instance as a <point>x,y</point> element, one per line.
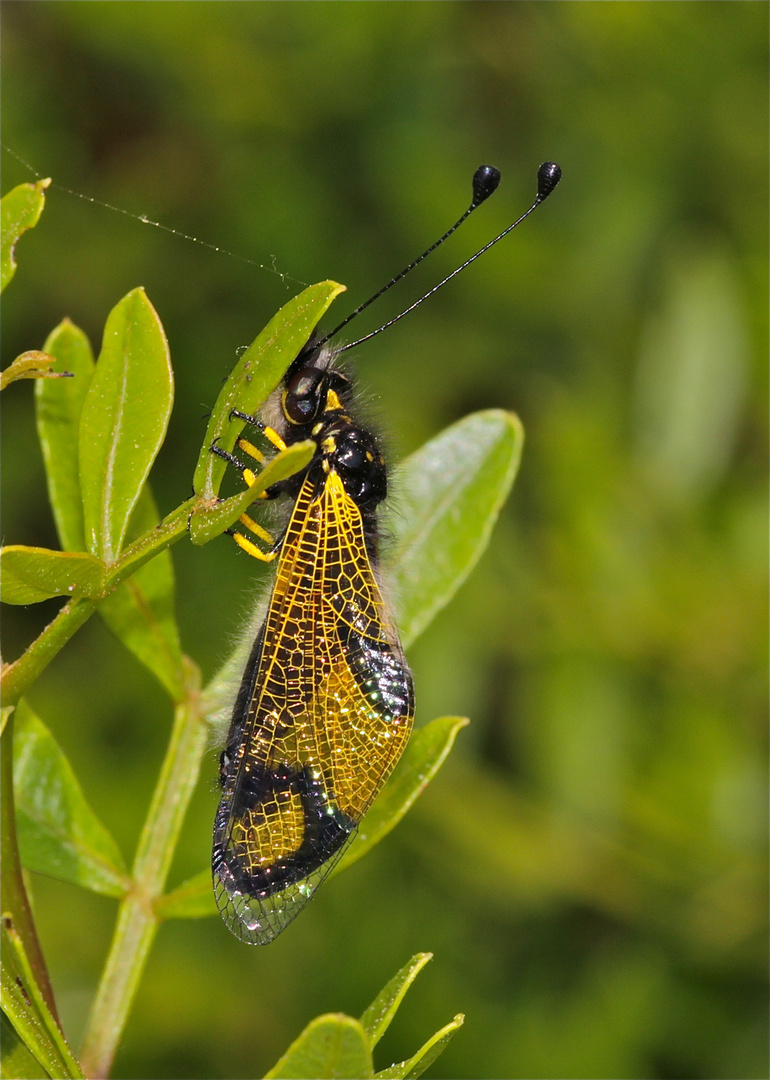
<point>172,528</point>
<point>138,921</point>
<point>22,673</point>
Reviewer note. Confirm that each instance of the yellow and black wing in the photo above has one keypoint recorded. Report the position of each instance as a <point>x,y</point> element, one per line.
<point>324,713</point>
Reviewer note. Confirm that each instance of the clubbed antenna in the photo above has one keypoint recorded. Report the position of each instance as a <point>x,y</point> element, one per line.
<point>548,176</point>
<point>485,182</point>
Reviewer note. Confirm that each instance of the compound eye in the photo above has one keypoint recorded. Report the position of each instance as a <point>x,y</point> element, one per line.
<point>302,400</point>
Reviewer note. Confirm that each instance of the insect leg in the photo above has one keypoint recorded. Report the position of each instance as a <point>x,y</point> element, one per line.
<point>250,477</point>
<point>251,450</point>
<point>247,473</point>
<point>251,548</point>
<point>214,449</point>
<point>270,434</point>
<point>257,529</point>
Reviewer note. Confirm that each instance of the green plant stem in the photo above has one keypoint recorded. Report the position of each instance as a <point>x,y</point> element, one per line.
<point>138,921</point>
<point>22,673</point>
<point>15,902</point>
<point>172,528</point>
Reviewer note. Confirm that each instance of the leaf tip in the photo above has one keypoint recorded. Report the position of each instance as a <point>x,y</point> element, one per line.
<point>336,288</point>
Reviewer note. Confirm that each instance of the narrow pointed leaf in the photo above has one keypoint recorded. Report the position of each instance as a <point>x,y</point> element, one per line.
<point>123,422</point>
<point>20,210</point>
<point>58,404</point>
<point>140,612</point>
<point>333,1045</point>
<point>449,496</point>
<point>425,753</point>
<point>24,1006</point>
<point>32,364</point>
<point>256,375</point>
<point>16,908</point>
<point>211,520</point>
<point>58,832</point>
<point>425,1056</point>
<point>31,574</point>
<point>376,1020</point>
<point>17,1062</point>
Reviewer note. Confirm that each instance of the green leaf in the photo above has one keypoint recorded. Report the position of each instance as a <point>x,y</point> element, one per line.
<point>26,1010</point>
<point>58,404</point>
<point>425,753</point>
<point>378,1016</point>
<point>20,210</point>
<point>31,365</point>
<point>17,1062</point>
<point>140,612</point>
<point>376,1020</point>
<point>449,494</point>
<point>16,910</point>
<point>333,1045</point>
<point>211,520</point>
<point>425,1056</point>
<point>124,420</point>
<point>58,832</point>
<point>256,375</point>
<point>31,574</point>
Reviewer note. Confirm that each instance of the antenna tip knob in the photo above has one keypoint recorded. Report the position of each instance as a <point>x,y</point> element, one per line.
<point>485,181</point>
<point>548,176</point>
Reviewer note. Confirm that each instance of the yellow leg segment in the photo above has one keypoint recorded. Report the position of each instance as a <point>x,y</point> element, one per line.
<point>251,478</point>
<point>273,437</point>
<point>256,528</point>
<point>251,548</point>
<point>251,450</point>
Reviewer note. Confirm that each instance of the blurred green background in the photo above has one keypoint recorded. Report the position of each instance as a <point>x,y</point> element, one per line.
<point>590,868</point>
